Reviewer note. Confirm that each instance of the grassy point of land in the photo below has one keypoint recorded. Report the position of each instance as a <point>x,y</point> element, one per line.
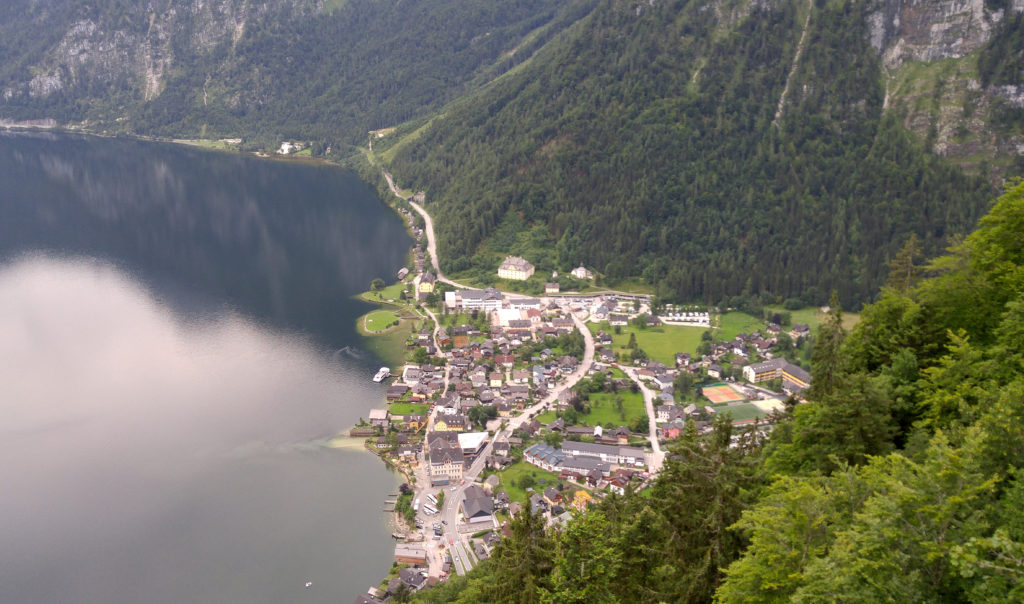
<point>380,321</point>
<point>388,295</point>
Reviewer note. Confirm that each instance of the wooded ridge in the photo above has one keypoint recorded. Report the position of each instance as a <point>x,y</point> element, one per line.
<point>899,480</point>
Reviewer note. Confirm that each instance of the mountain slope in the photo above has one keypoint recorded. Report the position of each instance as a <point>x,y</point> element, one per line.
<point>263,70</point>
<point>647,143</point>
<point>716,149</point>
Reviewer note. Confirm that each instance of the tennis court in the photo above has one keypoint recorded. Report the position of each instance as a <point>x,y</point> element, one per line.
<point>722,394</point>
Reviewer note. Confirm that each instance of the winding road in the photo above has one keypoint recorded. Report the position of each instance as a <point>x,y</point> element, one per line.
<point>462,554</point>
<point>657,458</point>
<point>429,224</point>
<point>463,557</point>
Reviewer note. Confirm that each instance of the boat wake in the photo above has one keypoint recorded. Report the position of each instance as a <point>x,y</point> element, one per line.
<point>348,351</point>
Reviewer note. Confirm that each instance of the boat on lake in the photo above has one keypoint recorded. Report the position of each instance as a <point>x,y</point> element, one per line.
<point>382,373</point>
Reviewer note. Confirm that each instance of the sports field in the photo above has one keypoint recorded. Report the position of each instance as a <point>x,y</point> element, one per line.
<point>722,394</point>
<point>742,412</point>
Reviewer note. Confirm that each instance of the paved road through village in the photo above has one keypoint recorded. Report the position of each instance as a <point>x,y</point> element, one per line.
<point>454,539</point>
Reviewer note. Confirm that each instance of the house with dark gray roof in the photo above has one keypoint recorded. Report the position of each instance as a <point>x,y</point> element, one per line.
<point>477,505</point>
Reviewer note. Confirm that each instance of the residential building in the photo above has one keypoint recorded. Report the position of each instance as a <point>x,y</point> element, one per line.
<point>481,299</point>
<point>424,284</point>
<point>544,456</point>
<point>606,453</point>
<point>455,422</point>
<point>446,461</point>
<point>581,500</point>
<point>795,379</point>
<point>410,553</point>
<point>765,371</point>
<point>477,505</point>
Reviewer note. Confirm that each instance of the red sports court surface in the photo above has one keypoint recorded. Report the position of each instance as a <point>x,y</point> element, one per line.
<point>721,394</point>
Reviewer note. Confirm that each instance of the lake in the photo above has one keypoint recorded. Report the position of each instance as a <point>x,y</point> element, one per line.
<point>177,347</point>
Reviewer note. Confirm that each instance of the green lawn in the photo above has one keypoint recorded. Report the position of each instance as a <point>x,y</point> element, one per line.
<point>379,320</point>
<point>408,408</point>
<point>660,343</point>
<point>813,316</point>
<point>546,418</point>
<point>604,409</point>
<point>514,473</point>
<point>740,412</point>
<point>732,323</point>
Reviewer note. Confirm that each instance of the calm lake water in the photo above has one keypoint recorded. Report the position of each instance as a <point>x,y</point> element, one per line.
<point>177,345</point>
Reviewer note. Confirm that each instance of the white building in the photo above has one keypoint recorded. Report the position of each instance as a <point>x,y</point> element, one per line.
<point>515,268</point>
<point>482,299</point>
<point>582,273</point>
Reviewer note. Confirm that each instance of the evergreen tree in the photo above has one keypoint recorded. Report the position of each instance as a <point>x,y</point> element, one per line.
<point>523,560</point>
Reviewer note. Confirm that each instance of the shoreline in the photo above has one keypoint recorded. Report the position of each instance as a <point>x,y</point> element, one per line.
<point>341,440</point>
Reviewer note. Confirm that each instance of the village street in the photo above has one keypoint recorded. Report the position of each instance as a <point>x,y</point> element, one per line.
<point>429,224</point>
<point>454,539</point>
<point>657,457</point>
<point>462,555</point>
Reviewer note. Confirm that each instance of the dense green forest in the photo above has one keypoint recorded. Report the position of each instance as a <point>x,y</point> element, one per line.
<point>899,481</point>
<point>647,144</point>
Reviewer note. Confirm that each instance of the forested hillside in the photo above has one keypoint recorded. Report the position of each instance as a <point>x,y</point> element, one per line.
<point>899,481</point>
<point>263,71</point>
<point>657,141</point>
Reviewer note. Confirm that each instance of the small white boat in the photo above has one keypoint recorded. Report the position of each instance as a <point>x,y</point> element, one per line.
<point>382,374</point>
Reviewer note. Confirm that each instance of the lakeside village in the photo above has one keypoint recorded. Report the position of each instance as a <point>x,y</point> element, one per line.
<point>507,401</point>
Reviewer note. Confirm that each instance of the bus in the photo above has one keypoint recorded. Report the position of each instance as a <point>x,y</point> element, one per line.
<point>432,499</point>
<point>416,505</point>
<point>429,509</point>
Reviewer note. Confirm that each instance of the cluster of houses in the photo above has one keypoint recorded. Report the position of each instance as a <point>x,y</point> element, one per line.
<point>592,464</point>
<point>618,309</point>
<point>485,369</point>
<point>413,578</point>
<point>746,346</point>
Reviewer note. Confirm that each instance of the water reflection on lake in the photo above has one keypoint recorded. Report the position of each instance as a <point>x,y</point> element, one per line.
<point>149,459</point>
<point>176,348</point>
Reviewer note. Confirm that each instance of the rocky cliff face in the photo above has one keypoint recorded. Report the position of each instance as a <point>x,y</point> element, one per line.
<point>132,49</point>
<point>929,30</point>
<point>929,49</point>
